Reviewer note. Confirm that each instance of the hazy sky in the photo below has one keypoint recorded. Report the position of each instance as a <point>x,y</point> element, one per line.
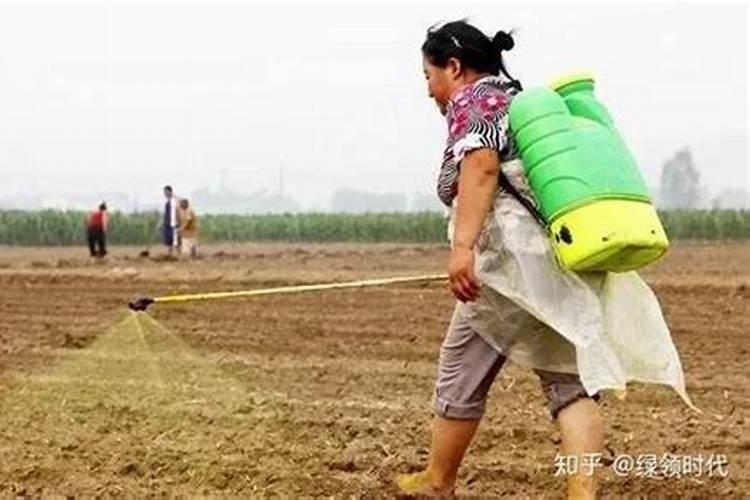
<point>129,95</point>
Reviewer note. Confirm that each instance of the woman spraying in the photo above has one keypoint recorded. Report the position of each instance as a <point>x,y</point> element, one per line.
<point>515,301</point>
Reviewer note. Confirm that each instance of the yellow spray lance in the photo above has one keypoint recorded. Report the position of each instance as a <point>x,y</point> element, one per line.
<point>142,303</point>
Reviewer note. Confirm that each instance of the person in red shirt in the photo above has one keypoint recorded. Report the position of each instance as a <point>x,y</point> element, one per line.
<point>96,231</point>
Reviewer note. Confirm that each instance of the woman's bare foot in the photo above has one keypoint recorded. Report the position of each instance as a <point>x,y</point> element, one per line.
<point>421,485</point>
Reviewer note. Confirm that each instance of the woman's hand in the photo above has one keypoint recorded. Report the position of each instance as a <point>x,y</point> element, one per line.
<point>463,282</point>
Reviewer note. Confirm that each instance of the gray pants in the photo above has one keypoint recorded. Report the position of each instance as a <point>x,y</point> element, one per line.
<point>468,366</point>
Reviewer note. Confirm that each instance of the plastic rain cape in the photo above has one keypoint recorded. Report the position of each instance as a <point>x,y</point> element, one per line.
<point>607,327</point>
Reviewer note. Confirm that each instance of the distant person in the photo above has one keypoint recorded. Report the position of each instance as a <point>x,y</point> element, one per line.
<point>188,230</point>
<point>97,224</point>
<point>169,223</point>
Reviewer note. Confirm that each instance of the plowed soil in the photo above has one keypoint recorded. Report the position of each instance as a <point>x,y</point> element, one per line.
<point>323,394</point>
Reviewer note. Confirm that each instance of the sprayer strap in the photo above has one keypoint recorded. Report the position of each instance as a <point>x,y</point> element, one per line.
<point>510,188</point>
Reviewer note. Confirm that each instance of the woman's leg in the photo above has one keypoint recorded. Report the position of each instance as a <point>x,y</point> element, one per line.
<point>581,429</point>
<point>582,432</point>
<point>450,439</point>
<point>467,367</point>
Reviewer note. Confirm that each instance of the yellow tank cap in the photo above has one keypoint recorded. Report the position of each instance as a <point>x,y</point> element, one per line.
<point>568,78</point>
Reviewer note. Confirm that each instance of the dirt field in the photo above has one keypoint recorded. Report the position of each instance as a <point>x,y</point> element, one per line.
<point>324,394</point>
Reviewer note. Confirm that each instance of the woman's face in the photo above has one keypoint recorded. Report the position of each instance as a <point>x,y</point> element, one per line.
<point>442,82</point>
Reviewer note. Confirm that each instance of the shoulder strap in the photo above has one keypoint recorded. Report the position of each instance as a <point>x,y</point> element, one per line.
<point>506,185</point>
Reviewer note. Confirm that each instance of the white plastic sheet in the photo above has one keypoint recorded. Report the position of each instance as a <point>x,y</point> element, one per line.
<point>606,327</point>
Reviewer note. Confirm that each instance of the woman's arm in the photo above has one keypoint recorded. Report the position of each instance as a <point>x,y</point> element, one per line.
<point>477,184</point>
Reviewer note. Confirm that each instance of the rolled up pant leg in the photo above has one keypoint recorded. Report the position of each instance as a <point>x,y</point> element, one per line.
<point>468,365</point>
<point>561,390</point>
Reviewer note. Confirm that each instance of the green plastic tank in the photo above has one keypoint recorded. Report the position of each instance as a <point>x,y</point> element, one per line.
<point>587,183</point>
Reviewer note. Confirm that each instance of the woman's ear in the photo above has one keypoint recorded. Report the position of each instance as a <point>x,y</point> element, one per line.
<point>454,67</point>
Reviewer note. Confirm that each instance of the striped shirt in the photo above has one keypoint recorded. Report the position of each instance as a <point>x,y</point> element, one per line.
<point>477,117</point>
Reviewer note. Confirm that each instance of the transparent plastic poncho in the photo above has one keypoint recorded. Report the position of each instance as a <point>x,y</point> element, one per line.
<point>607,327</point>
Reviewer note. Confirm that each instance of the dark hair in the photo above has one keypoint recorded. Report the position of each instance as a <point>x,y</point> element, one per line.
<point>103,206</point>
<point>469,45</point>
<point>168,188</point>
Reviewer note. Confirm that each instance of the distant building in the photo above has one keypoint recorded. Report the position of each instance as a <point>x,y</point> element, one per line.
<point>117,201</point>
<point>354,201</point>
<point>680,185</point>
<point>227,201</point>
<point>426,202</point>
<point>731,199</point>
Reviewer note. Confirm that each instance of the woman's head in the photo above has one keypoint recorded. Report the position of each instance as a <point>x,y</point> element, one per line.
<point>457,53</point>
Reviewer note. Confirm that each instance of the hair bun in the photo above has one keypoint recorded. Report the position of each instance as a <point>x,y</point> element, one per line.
<point>503,41</point>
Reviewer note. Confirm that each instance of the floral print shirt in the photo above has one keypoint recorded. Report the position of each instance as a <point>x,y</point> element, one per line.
<point>477,117</point>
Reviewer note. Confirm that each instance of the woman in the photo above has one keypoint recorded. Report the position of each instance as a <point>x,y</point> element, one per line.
<point>188,229</point>
<point>514,300</point>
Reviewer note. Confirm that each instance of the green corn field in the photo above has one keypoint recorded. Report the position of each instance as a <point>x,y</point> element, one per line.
<point>49,227</point>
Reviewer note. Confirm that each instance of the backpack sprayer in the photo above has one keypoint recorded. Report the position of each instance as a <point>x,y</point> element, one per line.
<point>592,197</point>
